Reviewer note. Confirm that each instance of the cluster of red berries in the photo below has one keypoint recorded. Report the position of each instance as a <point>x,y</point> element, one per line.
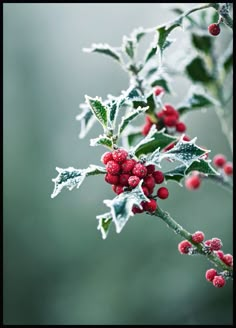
<point>167,118</point>
<point>125,173</point>
<point>220,161</point>
<point>214,29</point>
<point>212,245</point>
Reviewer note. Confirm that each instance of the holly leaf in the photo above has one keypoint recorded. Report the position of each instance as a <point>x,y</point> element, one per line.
<point>102,140</point>
<point>177,174</point>
<point>104,223</point>
<point>163,82</point>
<point>130,117</point>
<point>197,71</point>
<point>202,43</point>
<point>121,206</point>
<point>149,101</point>
<point>86,119</point>
<point>128,46</point>
<point>71,177</point>
<point>98,109</point>
<point>130,134</point>
<point>104,49</point>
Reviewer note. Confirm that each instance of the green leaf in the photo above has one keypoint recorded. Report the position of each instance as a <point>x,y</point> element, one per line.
<point>86,119</point>
<point>71,177</point>
<point>105,49</point>
<point>129,46</point>
<point>151,52</point>
<point>121,206</point>
<point>149,101</point>
<point>203,43</point>
<point>163,82</point>
<point>102,140</point>
<point>98,109</point>
<point>176,174</point>
<point>131,133</point>
<point>202,166</point>
<point>196,99</point>
<point>130,117</point>
<point>153,140</point>
<point>197,71</point>
<point>104,223</point>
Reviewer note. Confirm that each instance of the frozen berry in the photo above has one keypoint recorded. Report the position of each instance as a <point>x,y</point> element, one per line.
<point>150,168</point>
<point>128,165</point>
<point>112,179</point>
<point>180,127</point>
<point>218,281</point>
<point>192,182</point>
<point>139,170</point>
<point>149,182</point>
<point>214,29</point>
<point>216,244</point>
<point>158,176</point>
<point>228,168</point>
<point>220,254</point>
<point>184,247</point>
<point>112,167</point>
<point>198,236</point>
<point>123,179</point>
<point>162,193</point>
<point>133,181</point>
<point>119,155</point>
<point>150,206</point>
<point>219,160</point>
<point>119,189</point>
<point>106,157</point>
<point>159,90</point>
<point>228,259</point>
<point>170,121</point>
<point>210,274</point>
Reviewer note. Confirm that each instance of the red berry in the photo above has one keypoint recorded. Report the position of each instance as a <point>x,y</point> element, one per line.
<point>216,244</point>
<point>180,127</point>
<point>139,170</point>
<point>228,259</point>
<point>207,242</point>
<point>158,177</point>
<point>218,281</point>
<point>150,169</point>
<point>159,90</point>
<point>128,165</point>
<point>210,274</point>
<point>169,147</point>
<point>151,190</point>
<point>162,193</point>
<point>219,160</point>
<point>119,189</point>
<point>145,191</point>
<point>150,206</point>
<point>133,181</point>
<point>192,182</point>
<point>112,167</point>
<point>119,155</point>
<point>184,247</point>
<point>123,179</point>
<point>170,110</point>
<point>106,157</point>
<point>149,182</point>
<point>186,138</point>
<point>228,168</point>
<point>112,179</point>
<point>214,29</point>
<point>220,254</point>
<point>146,128</point>
<point>136,210</point>
<point>170,121</point>
<point>160,114</point>
<point>198,236</point>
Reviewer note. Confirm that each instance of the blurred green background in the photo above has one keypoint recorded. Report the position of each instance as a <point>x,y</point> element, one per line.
<point>57,268</point>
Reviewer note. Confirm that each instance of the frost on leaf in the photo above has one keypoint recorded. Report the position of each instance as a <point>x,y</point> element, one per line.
<point>98,109</point>
<point>105,49</point>
<point>86,118</point>
<point>129,117</point>
<point>121,206</point>
<point>104,223</point>
<point>102,140</point>
<point>71,177</point>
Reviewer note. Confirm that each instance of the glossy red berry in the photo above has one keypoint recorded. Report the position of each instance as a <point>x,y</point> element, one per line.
<point>218,281</point>
<point>150,206</point>
<point>145,191</point>
<point>184,247</point>
<point>220,254</point>
<point>149,182</point>
<point>162,193</point>
<point>128,165</point>
<point>219,160</point>
<point>169,147</point>
<point>192,182</point>
<point>139,170</point>
<point>169,110</point>
<point>119,189</point>
<point>159,90</point>
<point>136,210</point>
<point>119,155</point>
<point>106,157</point>
<point>228,259</point>
<point>170,121</point>
<point>216,244</point>
<point>150,168</point>
<point>158,177</point>
<point>113,167</point>
<point>228,168</point>
<point>186,138</point>
<point>180,127</point>
<point>214,29</point>
<point>133,181</point>
<point>210,274</point>
<point>198,236</point>
<point>123,179</point>
<point>146,128</point>
<point>112,179</point>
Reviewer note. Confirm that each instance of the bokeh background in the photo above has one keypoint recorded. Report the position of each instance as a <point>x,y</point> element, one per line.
<point>57,268</point>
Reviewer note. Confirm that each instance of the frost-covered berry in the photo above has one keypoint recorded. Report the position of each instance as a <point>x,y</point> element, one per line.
<point>163,193</point>
<point>210,274</point>
<point>180,127</point>
<point>158,90</point>
<point>214,29</point>
<point>150,206</point>
<point>184,247</point>
<point>128,165</point>
<point>170,110</point>
<point>228,259</point>
<point>150,168</point>
<point>218,281</point>
<point>149,182</point>
<point>119,155</point>
<point>139,170</point>
<point>112,179</point>
<point>192,182</point>
<point>133,181</point>
<point>219,160</point>
<point>220,254</point>
<point>198,236</point>
<point>119,189</point>
<point>106,157</point>
<point>158,177</point>
<point>112,167</point>
<point>228,168</point>
<point>170,120</point>
<point>123,179</point>
<point>216,244</point>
